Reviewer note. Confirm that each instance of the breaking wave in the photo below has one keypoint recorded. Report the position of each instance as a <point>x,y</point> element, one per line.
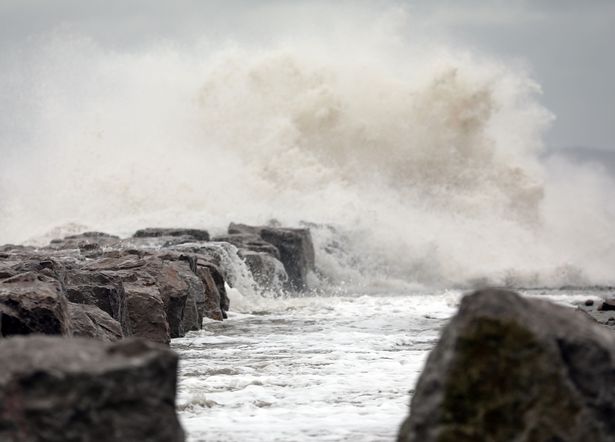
<point>418,164</point>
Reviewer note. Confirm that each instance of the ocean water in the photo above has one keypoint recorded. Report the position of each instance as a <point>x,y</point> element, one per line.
<point>316,368</point>
<point>418,165</point>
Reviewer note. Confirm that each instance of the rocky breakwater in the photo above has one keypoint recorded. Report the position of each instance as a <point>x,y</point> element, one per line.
<point>509,368</point>
<point>152,287</point>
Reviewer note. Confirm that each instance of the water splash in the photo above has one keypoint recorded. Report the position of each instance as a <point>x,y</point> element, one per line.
<point>424,158</point>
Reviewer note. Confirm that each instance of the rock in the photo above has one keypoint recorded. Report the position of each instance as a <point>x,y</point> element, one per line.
<point>196,234</point>
<point>74,390</point>
<point>607,305</point>
<point>249,241</point>
<point>213,306</point>
<point>89,321</point>
<point>268,272</point>
<point>102,289</point>
<point>89,243</point>
<point>296,253</point>
<point>146,311</point>
<point>509,368</point>
<point>598,313</point>
<point>141,278</point>
<point>175,282</point>
<point>32,262</point>
<point>295,246</point>
<point>32,303</point>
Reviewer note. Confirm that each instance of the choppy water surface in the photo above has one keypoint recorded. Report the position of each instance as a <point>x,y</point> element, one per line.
<point>334,368</point>
<point>314,368</point>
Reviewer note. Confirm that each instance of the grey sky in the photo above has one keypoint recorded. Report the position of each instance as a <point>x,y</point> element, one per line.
<point>568,44</point>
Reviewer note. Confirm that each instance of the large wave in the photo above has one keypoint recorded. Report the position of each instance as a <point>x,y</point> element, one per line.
<point>418,164</point>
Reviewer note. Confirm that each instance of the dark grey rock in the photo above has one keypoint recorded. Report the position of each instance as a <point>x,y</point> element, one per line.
<point>32,303</point>
<point>81,390</point>
<point>88,321</point>
<point>142,277</point>
<point>90,244</point>
<point>295,246</point>
<point>196,234</point>
<point>103,289</point>
<point>268,272</point>
<point>250,241</point>
<point>146,312</point>
<point>509,368</point>
<point>607,305</point>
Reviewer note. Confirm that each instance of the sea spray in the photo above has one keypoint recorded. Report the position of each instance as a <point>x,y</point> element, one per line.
<point>422,162</point>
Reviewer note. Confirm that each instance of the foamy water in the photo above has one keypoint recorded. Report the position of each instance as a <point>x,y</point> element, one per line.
<point>314,368</point>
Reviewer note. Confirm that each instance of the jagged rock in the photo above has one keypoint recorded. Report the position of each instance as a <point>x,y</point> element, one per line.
<point>89,321</point>
<point>295,246</point>
<point>213,308</point>
<point>146,311</point>
<point>509,368</point>
<point>32,303</point>
<point>102,289</point>
<point>147,315</point>
<point>88,243</point>
<point>268,272</point>
<point>196,234</point>
<point>175,281</point>
<point>250,241</point>
<point>194,309</point>
<point>74,390</point>
<point>17,264</point>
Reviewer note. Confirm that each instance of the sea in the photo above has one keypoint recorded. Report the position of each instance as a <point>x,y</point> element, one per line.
<point>419,165</point>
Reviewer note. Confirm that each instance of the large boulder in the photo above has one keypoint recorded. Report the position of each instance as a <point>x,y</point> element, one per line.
<point>146,312</point>
<point>176,284</point>
<point>88,321</point>
<point>508,368</point>
<point>103,289</point>
<point>32,303</point>
<point>268,272</point>
<point>74,390</point>
<point>294,245</point>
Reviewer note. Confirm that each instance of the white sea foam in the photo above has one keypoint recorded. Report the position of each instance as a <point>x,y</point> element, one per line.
<point>424,157</point>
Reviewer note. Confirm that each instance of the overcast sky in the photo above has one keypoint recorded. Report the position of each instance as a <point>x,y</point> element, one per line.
<point>567,44</point>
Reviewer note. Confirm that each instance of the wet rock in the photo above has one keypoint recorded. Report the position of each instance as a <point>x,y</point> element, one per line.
<point>74,390</point>
<point>102,289</point>
<point>268,272</point>
<point>19,263</point>
<point>141,278</point>
<point>607,305</point>
<point>32,303</point>
<point>195,234</point>
<point>598,313</point>
<point>249,241</point>
<point>510,368</point>
<point>88,243</point>
<point>295,246</point>
<point>146,312</point>
<point>175,282</point>
<point>88,321</point>
<point>213,306</point>
<point>296,253</point>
